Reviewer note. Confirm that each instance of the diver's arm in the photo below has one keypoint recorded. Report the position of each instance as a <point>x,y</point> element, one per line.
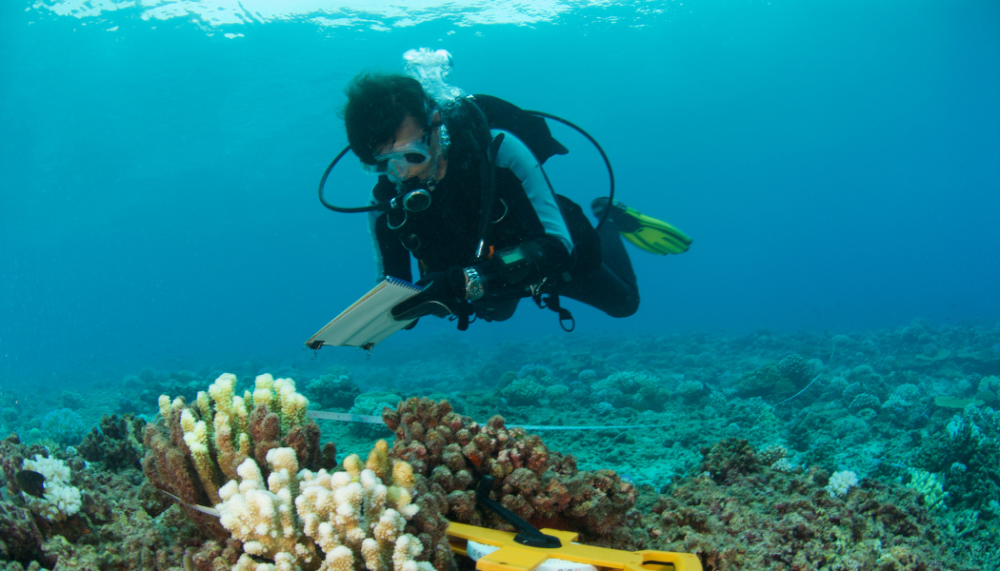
<point>515,156</point>
<point>546,256</point>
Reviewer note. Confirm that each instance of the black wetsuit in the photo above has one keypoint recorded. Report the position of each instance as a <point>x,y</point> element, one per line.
<point>570,260</point>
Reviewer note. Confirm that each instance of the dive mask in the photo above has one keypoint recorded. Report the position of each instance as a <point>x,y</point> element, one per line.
<point>397,163</point>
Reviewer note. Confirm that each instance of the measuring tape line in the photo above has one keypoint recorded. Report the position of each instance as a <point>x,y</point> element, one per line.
<point>347,417</point>
<point>537,427</point>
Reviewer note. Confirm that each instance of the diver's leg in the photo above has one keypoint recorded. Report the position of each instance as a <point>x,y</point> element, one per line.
<point>612,288</point>
<point>613,252</point>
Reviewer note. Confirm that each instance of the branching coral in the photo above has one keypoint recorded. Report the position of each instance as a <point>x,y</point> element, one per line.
<point>60,499</point>
<point>540,486</point>
<point>193,450</point>
<point>351,516</point>
<point>929,486</point>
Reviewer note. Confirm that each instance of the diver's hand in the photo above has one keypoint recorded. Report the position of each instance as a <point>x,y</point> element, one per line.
<point>442,296</point>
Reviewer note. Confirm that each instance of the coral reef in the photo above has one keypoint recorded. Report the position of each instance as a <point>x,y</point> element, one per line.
<point>928,486</point>
<point>522,391</point>
<point>117,443</point>
<point>766,381</point>
<point>193,450</point>
<point>989,391</point>
<point>64,426</point>
<point>729,469</point>
<point>841,483</point>
<point>964,447</point>
<point>113,529</point>
<point>542,487</point>
<point>72,400</point>
<point>371,404</point>
<point>61,499</point>
<point>742,514</point>
<point>333,390</point>
<point>21,539</point>
<point>351,517</point>
<point>796,369</point>
<point>642,391</point>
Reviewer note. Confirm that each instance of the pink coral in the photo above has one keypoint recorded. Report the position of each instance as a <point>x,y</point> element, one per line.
<point>542,487</point>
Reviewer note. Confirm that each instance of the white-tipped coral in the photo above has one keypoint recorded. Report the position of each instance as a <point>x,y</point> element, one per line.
<point>841,482</point>
<point>196,438</point>
<point>292,404</point>
<point>221,430</point>
<point>350,518</point>
<point>262,518</point>
<point>60,499</point>
<point>340,558</point>
<point>263,389</point>
<point>404,555</point>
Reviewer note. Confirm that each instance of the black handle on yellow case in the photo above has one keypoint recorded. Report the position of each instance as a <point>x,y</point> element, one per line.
<point>528,534</point>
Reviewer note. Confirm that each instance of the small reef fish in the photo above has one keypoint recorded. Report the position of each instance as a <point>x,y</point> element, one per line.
<point>196,507</point>
<point>31,482</point>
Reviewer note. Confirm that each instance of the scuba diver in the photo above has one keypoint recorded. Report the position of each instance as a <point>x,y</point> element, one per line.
<point>462,190</point>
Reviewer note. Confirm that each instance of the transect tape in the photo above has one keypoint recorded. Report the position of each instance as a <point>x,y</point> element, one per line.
<point>534,427</point>
<point>346,417</point>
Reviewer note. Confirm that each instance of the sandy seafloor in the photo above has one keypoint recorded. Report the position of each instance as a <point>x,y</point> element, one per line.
<point>748,431</point>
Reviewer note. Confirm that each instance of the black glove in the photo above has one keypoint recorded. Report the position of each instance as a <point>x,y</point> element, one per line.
<point>443,295</point>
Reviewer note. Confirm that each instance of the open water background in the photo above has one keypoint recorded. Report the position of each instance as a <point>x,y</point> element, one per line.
<point>837,164</point>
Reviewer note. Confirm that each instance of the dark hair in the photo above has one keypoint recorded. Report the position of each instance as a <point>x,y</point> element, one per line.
<point>377,104</point>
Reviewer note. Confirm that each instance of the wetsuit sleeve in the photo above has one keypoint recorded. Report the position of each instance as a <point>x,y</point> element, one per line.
<point>391,258</point>
<point>515,156</point>
<point>548,255</point>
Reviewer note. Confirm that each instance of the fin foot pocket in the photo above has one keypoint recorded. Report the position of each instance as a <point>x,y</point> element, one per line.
<point>646,232</point>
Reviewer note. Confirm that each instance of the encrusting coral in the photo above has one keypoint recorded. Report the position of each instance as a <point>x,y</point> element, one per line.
<point>193,450</point>
<point>117,444</point>
<point>735,512</point>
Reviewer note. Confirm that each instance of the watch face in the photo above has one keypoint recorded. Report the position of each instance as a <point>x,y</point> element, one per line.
<point>475,290</point>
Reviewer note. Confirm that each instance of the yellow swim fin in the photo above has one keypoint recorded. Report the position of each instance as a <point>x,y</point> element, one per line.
<point>648,233</point>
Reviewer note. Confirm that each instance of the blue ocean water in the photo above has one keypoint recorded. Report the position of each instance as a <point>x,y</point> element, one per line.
<point>837,165</point>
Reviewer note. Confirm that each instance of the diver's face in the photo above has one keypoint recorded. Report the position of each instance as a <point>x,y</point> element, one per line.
<point>409,132</point>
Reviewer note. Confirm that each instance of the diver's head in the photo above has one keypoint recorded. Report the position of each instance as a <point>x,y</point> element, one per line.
<point>412,153</point>
<point>377,109</point>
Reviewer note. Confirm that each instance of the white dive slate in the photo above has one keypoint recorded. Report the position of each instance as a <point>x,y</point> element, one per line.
<point>367,321</point>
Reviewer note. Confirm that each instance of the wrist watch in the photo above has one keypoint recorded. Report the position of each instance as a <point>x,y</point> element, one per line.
<point>475,287</point>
